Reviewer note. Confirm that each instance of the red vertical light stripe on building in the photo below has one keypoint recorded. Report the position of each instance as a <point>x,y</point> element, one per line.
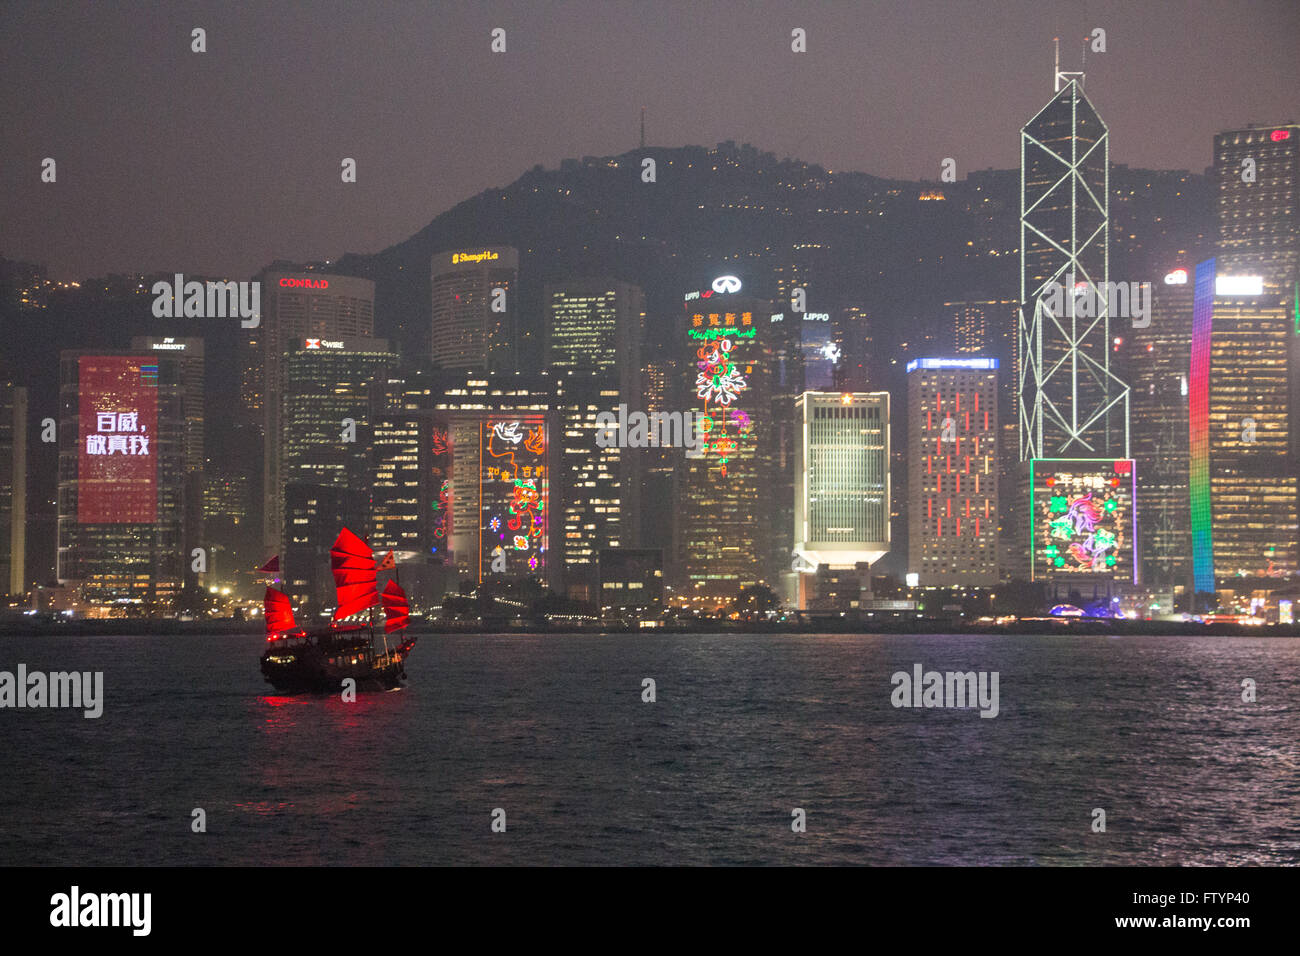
<point>977,527</point>
<point>958,406</point>
<point>959,527</point>
<point>986,508</point>
<point>929,425</point>
<point>968,421</point>
<point>949,507</point>
<point>959,483</point>
<point>977,403</point>
<point>939,533</point>
<point>929,507</point>
<point>928,459</point>
<point>967,507</point>
<point>968,464</point>
<point>986,420</point>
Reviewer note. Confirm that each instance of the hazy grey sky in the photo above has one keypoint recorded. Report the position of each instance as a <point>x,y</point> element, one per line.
<point>222,161</point>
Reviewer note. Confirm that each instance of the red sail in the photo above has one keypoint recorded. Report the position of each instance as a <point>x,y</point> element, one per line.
<point>279,615</point>
<point>396,610</point>
<point>353,564</point>
<point>271,567</point>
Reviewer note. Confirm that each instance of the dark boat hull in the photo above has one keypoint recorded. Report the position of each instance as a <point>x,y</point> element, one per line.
<point>309,668</point>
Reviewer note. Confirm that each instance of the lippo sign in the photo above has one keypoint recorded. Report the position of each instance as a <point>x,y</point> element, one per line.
<point>117,469</point>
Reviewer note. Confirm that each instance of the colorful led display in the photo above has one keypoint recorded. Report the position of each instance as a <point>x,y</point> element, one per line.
<point>1082,517</point>
<point>721,380</point>
<point>515,489</point>
<point>117,463</point>
<point>1198,398</point>
<point>440,471</point>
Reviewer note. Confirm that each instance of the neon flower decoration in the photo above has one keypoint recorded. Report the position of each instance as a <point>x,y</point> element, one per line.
<point>521,542</point>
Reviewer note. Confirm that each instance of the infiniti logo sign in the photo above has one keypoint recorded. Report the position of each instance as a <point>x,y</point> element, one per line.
<point>726,284</point>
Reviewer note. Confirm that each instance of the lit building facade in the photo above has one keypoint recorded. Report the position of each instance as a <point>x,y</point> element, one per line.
<point>1083,522</point>
<point>724,536</point>
<point>122,479</point>
<point>842,486</point>
<point>13,489</point>
<point>596,325</point>
<point>296,307</point>
<point>631,579</point>
<point>953,473</point>
<point>326,419</point>
<point>1257,172</point>
<point>1070,400</point>
<point>1159,355</point>
<point>474,308</point>
<point>1245,357</point>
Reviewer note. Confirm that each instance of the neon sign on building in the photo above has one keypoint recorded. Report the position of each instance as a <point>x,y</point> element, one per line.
<point>487,255</point>
<point>721,380</point>
<point>1083,518</point>
<point>515,489</point>
<point>117,470</point>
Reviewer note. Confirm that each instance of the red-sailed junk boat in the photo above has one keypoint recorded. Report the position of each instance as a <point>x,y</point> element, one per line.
<point>319,660</point>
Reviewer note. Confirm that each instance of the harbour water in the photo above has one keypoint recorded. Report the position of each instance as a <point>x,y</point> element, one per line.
<point>553,730</point>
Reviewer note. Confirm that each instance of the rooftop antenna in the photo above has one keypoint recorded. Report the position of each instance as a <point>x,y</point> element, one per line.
<point>643,127</point>
<point>1069,75</point>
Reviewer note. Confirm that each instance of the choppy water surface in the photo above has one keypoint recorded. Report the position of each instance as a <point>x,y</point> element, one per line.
<point>553,730</point>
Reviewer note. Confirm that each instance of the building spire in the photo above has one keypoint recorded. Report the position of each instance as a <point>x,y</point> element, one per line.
<point>1057,75</point>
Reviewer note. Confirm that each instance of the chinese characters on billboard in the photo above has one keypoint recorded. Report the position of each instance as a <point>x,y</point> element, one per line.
<point>515,497</point>
<point>720,340</point>
<point>1083,518</point>
<point>117,466</point>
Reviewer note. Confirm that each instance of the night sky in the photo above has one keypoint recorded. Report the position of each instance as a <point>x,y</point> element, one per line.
<point>221,162</point>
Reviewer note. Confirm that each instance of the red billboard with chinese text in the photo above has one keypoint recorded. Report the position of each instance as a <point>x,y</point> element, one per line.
<point>117,464</point>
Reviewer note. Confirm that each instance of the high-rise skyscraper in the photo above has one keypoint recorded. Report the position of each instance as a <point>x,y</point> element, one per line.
<point>122,471</point>
<point>842,487</point>
<point>1245,370</point>
<point>596,494</point>
<point>187,356</point>
<point>1243,413</point>
<point>952,468</point>
<point>1071,404</point>
<point>725,538</point>
<point>13,489</point>
<point>475,324</point>
<point>1257,171</point>
<point>1158,356</point>
<point>596,324</point>
<point>325,422</point>
<point>297,307</point>
<point>498,464</point>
